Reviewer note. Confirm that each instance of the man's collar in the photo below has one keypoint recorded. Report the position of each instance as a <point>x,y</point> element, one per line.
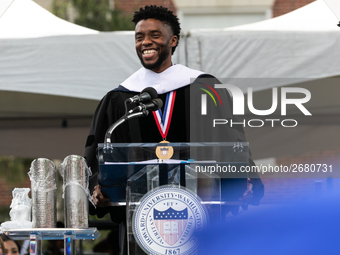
<point>174,77</point>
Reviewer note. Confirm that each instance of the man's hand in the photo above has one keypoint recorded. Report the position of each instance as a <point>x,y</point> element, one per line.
<point>98,198</point>
<point>248,194</point>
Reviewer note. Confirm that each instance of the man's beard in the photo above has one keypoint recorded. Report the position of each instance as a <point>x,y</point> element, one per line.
<point>161,58</point>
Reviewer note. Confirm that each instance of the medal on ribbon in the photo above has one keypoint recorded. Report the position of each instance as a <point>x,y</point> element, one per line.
<point>163,123</point>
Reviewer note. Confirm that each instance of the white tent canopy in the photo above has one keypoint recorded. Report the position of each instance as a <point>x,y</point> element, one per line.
<point>26,19</point>
<point>83,63</point>
<point>301,44</point>
<point>82,66</point>
<point>285,50</point>
<point>41,53</point>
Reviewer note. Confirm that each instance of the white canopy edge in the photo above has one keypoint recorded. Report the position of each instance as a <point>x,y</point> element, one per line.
<point>334,5</point>
<point>26,19</point>
<point>315,16</point>
<point>299,45</point>
<point>4,5</point>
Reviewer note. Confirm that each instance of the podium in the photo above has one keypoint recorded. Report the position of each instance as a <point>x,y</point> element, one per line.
<point>212,172</point>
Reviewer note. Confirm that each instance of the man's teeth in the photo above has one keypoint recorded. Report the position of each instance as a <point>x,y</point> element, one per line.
<point>148,52</point>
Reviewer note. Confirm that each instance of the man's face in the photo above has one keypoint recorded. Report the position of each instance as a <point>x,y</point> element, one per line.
<point>154,41</point>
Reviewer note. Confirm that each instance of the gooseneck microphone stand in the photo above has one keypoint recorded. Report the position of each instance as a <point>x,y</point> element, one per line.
<point>122,120</point>
<point>153,103</point>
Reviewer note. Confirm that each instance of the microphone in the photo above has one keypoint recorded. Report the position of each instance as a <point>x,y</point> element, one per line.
<point>146,95</point>
<point>153,105</point>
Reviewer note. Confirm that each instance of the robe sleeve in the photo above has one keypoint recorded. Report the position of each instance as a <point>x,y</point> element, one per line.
<point>96,135</point>
<point>108,111</point>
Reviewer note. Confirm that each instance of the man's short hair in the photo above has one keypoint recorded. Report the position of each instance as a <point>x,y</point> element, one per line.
<point>159,13</point>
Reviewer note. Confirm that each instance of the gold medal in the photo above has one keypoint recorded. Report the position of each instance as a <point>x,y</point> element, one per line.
<point>164,152</point>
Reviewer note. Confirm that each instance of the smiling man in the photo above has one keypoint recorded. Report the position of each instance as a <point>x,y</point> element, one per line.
<point>157,33</point>
<point>153,38</point>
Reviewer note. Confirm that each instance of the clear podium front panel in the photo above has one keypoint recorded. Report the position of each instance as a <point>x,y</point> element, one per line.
<point>190,152</point>
<point>181,164</point>
<point>211,171</point>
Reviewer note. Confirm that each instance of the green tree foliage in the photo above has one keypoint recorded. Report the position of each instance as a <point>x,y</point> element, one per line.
<point>95,14</point>
<point>13,171</point>
<point>59,8</point>
<point>13,174</point>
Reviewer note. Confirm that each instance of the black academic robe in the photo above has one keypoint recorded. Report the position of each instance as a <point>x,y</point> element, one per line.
<point>145,130</point>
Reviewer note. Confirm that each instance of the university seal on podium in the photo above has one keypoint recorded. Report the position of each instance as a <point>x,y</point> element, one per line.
<point>167,219</point>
